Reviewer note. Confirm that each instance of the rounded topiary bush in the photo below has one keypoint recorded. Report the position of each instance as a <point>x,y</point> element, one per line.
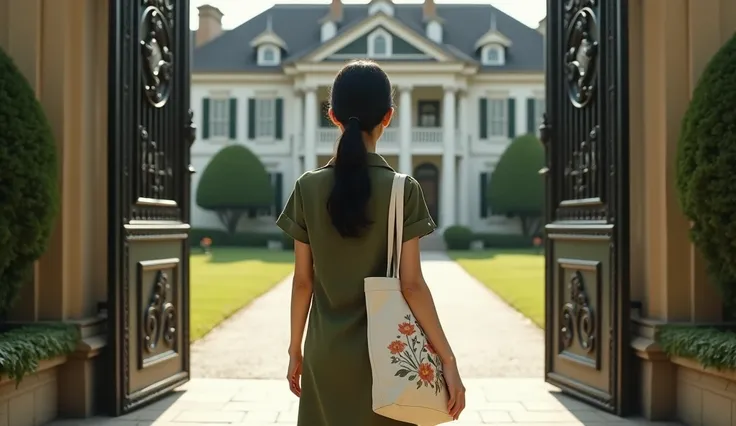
<point>516,189</point>
<point>234,183</point>
<point>458,238</point>
<point>28,181</point>
<point>706,168</point>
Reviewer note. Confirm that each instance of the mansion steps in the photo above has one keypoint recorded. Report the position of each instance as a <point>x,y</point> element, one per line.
<point>467,79</point>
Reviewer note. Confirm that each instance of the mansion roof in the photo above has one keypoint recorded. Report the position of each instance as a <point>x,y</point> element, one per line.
<point>298,27</point>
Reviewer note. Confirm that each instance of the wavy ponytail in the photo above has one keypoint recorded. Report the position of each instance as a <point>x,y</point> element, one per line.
<point>348,201</point>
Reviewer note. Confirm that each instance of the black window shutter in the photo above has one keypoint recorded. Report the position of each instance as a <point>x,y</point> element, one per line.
<point>205,118</point>
<point>512,117</point>
<point>279,119</point>
<point>531,116</point>
<point>233,118</point>
<point>484,195</point>
<point>251,118</point>
<point>278,192</point>
<point>483,118</point>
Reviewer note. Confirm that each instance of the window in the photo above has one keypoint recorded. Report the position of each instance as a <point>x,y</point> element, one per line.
<point>379,44</point>
<point>493,55</point>
<point>497,117</point>
<point>265,118</point>
<point>268,55</point>
<point>220,118</point>
<point>429,114</point>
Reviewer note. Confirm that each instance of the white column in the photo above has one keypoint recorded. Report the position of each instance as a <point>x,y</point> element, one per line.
<point>298,142</point>
<point>464,169</point>
<point>405,116</point>
<point>310,129</point>
<point>447,192</point>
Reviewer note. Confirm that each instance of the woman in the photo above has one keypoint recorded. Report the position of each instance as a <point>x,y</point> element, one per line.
<point>338,216</point>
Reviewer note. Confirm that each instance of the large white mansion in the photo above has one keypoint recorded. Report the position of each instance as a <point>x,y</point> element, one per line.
<point>468,78</point>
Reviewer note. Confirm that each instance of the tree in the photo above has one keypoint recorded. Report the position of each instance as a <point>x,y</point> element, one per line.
<point>234,183</point>
<point>516,189</point>
<point>29,191</point>
<point>705,168</point>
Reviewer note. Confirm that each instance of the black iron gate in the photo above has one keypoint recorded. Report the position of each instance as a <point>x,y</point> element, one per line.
<point>585,132</point>
<point>150,132</point>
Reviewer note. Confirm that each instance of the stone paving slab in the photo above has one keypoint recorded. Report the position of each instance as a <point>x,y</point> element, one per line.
<point>490,339</point>
<point>510,401</point>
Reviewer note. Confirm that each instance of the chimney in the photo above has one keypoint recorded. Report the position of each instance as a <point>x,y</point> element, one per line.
<point>210,24</point>
<point>336,11</point>
<point>430,10</point>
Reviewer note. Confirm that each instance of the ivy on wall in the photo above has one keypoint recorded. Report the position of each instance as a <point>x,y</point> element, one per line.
<point>22,348</point>
<point>711,347</point>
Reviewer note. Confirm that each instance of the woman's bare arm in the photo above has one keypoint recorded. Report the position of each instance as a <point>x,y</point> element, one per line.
<point>419,298</point>
<point>301,294</point>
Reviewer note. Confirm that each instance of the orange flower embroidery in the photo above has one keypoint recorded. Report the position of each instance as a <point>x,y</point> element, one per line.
<point>396,347</point>
<point>415,358</point>
<point>426,372</point>
<point>407,329</point>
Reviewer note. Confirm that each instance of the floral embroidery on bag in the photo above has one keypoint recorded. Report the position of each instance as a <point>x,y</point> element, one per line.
<point>415,356</point>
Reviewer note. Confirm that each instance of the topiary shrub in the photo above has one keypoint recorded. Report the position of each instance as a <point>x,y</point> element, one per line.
<point>516,189</point>
<point>234,183</point>
<point>458,238</point>
<point>706,171</point>
<point>29,194</point>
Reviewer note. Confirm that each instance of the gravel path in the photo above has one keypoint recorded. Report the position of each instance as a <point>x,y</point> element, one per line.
<point>490,339</point>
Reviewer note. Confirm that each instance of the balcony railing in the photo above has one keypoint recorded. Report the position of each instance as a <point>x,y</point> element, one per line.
<point>392,135</point>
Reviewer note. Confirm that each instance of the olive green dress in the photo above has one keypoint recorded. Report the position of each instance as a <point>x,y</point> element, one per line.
<point>336,377</point>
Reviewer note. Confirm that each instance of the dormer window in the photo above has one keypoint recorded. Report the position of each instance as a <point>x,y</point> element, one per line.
<point>493,55</point>
<point>379,44</point>
<point>269,55</point>
<point>329,29</point>
<point>434,31</point>
<point>384,6</point>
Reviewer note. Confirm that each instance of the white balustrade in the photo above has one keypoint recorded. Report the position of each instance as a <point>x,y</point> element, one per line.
<point>427,135</point>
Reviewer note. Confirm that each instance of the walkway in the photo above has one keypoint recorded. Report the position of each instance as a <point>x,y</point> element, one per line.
<point>499,351</point>
<point>217,402</point>
<point>489,338</point>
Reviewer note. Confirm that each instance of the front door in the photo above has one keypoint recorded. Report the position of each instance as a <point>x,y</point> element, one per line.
<point>429,179</point>
<point>586,138</point>
<point>150,132</point>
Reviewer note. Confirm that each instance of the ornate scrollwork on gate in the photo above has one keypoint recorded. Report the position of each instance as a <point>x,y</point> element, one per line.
<point>153,166</point>
<point>581,56</point>
<point>157,57</point>
<point>583,163</point>
<point>191,134</point>
<point>159,319</point>
<point>578,319</point>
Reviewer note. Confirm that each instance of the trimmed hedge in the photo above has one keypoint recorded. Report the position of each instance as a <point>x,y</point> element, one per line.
<point>705,169</point>
<point>711,347</point>
<point>29,192</point>
<point>222,238</point>
<point>22,348</point>
<point>458,238</point>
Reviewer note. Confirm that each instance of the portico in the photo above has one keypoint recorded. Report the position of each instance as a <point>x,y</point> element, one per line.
<point>429,121</point>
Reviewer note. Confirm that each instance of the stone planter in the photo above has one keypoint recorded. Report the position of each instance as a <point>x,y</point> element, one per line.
<point>34,402</point>
<point>704,396</point>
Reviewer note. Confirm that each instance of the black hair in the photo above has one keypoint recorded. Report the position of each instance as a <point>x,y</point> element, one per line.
<point>360,98</point>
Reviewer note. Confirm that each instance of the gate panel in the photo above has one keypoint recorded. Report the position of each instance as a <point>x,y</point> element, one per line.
<point>585,132</point>
<point>150,132</point>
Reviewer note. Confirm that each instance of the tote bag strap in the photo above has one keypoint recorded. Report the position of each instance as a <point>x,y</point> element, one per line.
<point>395,225</point>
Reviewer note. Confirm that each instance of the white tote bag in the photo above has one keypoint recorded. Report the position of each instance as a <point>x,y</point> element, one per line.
<point>408,384</point>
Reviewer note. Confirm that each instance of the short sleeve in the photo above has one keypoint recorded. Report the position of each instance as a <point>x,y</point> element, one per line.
<point>291,220</point>
<point>417,221</point>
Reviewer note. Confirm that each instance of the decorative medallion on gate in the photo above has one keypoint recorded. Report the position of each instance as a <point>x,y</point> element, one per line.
<point>159,321</point>
<point>581,57</point>
<point>156,50</point>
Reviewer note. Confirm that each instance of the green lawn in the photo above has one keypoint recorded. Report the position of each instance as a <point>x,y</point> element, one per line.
<point>517,276</point>
<point>229,279</point>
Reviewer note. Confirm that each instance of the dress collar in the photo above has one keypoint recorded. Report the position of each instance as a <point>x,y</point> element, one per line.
<point>374,160</point>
